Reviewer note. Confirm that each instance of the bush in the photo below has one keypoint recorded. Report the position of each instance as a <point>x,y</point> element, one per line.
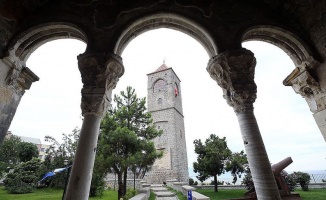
<point>129,194</point>
<point>289,180</point>
<point>302,178</point>
<point>191,181</point>
<point>249,184</point>
<point>24,178</point>
<point>97,185</point>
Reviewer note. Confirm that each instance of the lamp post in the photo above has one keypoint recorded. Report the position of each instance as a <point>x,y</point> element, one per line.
<point>65,162</point>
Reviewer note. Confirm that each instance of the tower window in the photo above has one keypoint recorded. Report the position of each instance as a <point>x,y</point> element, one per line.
<point>160,85</point>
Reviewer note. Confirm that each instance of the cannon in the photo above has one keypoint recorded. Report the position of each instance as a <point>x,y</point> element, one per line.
<point>281,184</point>
<point>277,169</point>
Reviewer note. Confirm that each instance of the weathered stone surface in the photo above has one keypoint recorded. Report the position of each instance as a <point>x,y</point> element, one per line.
<point>100,73</point>
<point>165,105</point>
<point>234,73</point>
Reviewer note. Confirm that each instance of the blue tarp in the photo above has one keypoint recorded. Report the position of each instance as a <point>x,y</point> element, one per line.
<point>49,174</point>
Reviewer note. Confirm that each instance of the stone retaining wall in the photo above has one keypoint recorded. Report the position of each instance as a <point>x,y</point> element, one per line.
<point>130,183</point>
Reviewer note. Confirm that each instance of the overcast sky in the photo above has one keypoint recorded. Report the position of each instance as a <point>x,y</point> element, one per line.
<point>52,105</point>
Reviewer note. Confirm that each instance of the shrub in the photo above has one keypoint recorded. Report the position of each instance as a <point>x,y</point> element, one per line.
<point>302,178</point>
<point>130,193</point>
<point>24,178</point>
<point>97,185</point>
<point>191,181</point>
<point>249,184</point>
<point>289,180</point>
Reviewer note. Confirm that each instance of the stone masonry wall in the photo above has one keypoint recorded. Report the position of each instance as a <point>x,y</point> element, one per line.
<point>166,109</point>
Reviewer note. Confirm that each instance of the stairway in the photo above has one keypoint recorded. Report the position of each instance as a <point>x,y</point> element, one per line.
<point>162,193</point>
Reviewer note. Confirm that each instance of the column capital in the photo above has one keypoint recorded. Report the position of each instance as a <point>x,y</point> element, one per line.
<point>234,70</point>
<point>307,86</point>
<point>100,73</point>
<point>19,77</point>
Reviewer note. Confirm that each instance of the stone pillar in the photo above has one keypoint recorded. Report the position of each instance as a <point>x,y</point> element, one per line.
<point>307,86</point>
<point>234,71</point>
<point>100,73</point>
<point>15,78</point>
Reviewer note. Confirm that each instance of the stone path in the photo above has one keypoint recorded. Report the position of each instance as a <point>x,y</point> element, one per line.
<point>162,193</point>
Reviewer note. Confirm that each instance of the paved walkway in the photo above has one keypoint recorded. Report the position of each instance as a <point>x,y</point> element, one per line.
<point>162,193</point>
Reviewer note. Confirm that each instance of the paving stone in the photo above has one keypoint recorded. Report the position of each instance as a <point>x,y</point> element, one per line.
<point>166,198</point>
<point>164,194</point>
<point>159,189</point>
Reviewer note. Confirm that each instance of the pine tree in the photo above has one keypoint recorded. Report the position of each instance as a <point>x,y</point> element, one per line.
<point>126,138</point>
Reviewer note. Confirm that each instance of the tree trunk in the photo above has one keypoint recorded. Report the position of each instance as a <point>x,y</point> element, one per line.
<point>120,186</point>
<point>215,184</point>
<point>135,180</point>
<point>265,185</point>
<point>125,182</point>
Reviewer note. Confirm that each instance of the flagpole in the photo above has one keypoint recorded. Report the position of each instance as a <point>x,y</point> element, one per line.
<point>67,177</point>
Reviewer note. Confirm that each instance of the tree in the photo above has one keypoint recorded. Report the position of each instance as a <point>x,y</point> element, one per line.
<point>57,153</point>
<point>237,165</point>
<point>125,139</point>
<point>9,155</point>
<point>27,151</point>
<point>211,158</point>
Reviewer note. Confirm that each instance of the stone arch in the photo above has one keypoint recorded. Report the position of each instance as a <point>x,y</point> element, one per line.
<point>25,43</point>
<point>298,50</point>
<point>166,20</point>
<point>161,85</point>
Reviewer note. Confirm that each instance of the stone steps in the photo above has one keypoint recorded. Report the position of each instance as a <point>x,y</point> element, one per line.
<point>162,193</point>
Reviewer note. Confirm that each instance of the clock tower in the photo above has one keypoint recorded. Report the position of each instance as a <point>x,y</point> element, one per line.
<point>165,104</point>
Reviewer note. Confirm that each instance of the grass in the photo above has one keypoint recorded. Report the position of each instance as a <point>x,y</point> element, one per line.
<point>179,194</point>
<point>312,194</point>
<point>151,196</point>
<point>221,194</point>
<point>56,194</point>
<point>49,194</point>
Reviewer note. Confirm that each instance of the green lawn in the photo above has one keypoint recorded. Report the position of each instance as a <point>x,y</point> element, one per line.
<point>312,194</point>
<point>221,194</point>
<point>56,194</point>
<point>49,194</point>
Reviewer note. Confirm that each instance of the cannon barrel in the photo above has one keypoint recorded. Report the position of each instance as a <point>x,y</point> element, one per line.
<point>278,167</point>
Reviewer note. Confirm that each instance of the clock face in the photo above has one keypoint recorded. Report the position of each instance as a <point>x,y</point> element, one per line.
<point>160,85</point>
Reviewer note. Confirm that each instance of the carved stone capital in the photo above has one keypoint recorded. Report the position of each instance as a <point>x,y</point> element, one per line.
<point>20,78</point>
<point>234,71</point>
<point>308,87</point>
<point>100,73</point>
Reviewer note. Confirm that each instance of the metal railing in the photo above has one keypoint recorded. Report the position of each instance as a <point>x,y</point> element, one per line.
<point>317,178</point>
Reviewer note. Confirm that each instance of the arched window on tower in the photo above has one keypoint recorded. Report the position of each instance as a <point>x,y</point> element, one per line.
<point>160,85</point>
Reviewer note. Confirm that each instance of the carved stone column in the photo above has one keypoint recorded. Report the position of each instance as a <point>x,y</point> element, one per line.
<point>100,73</point>
<point>307,86</point>
<point>234,72</point>
<point>15,78</point>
